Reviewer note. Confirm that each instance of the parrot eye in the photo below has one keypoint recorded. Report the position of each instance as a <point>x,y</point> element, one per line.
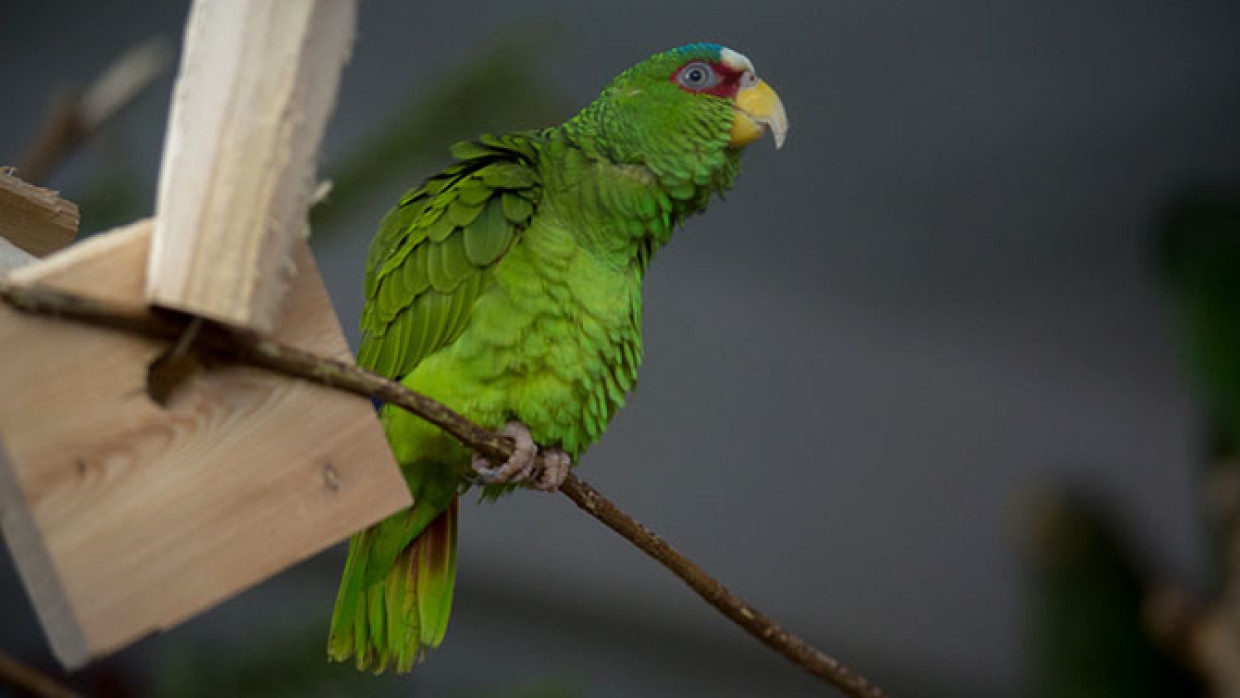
<point>697,76</point>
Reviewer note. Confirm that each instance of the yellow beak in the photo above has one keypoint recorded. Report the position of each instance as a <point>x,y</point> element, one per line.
<point>757,109</point>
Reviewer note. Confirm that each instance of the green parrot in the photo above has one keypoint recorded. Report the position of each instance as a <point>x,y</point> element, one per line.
<point>508,287</point>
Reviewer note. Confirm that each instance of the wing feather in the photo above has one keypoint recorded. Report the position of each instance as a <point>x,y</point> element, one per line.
<point>433,254</point>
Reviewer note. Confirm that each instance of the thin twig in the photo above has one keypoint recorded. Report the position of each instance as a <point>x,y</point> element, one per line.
<point>247,347</point>
<point>23,678</point>
<point>1204,632</point>
<point>73,118</point>
<point>758,624</point>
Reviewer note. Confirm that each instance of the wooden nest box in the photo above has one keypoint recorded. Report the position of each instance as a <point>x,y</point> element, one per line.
<point>125,516</point>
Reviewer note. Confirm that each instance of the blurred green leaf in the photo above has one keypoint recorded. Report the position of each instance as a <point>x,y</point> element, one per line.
<point>541,689</point>
<point>1089,638</point>
<point>500,90</point>
<point>291,662</point>
<point>1200,256</point>
<point>112,200</point>
<point>117,194</point>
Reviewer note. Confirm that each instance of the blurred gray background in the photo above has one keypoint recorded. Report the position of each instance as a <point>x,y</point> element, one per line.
<point>936,302</point>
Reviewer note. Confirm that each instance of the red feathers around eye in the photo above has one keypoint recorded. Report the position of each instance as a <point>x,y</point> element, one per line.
<point>722,81</point>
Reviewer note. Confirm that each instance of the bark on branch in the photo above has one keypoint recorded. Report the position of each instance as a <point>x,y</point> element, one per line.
<point>72,119</point>
<point>25,679</point>
<point>246,347</point>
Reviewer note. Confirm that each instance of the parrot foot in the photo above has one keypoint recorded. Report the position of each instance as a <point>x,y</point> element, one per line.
<point>557,464</point>
<point>520,465</point>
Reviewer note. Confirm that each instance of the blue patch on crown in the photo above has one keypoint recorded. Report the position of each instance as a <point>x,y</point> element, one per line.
<point>715,49</point>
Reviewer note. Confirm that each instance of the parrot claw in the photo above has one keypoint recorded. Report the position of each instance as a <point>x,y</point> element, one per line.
<point>556,466</point>
<point>520,465</point>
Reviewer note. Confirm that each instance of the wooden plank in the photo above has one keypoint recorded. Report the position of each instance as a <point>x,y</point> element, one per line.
<point>257,81</point>
<point>35,219</point>
<point>38,573</point>
<point>129,517</point>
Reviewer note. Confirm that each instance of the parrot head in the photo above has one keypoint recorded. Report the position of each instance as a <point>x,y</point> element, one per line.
<point>696,102</point>
<point>708,76</point>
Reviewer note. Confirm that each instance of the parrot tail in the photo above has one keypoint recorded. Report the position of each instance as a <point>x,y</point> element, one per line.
<point>396,612</point>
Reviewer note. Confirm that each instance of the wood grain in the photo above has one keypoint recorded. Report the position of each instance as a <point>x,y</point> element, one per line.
<point>257,81</point>
<point>35,219</point>
<point>147,515</point>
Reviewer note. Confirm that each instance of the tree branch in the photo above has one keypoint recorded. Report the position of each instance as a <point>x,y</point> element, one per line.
<point>73,118</point>
<point>1203,631</point>
<point>247,347</point>
<point>754,622</point>
<point>28,680</point>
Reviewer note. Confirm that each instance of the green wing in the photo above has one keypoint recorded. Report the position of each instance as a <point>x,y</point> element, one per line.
<point>429,262</point>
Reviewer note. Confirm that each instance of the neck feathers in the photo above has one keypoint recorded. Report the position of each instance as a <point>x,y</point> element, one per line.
<point>640,190</point>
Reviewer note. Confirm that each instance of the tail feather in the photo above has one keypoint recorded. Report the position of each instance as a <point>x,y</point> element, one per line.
<point>436,577</point>
<point>395,613</point>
